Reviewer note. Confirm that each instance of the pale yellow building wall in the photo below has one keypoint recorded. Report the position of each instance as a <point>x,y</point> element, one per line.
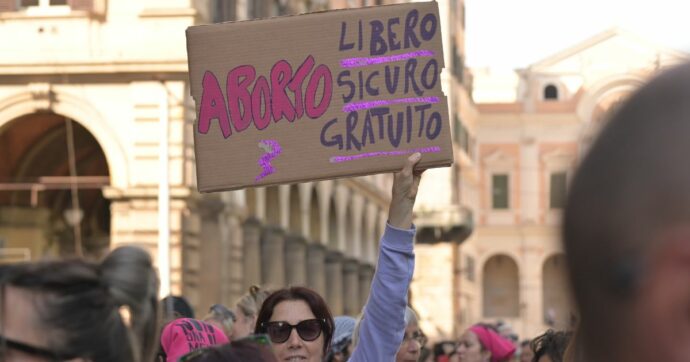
<point>528,138</point>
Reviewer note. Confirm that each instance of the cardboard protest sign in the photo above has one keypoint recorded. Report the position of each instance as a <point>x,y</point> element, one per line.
<point>318,96</point>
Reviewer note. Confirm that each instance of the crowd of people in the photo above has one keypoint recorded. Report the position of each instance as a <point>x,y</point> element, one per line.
<point>625,231</point>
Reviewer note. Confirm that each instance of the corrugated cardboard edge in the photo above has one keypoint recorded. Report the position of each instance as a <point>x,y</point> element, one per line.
<point>422,166</point>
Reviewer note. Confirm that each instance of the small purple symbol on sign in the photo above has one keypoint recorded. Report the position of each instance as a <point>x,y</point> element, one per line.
<point>272,149</point>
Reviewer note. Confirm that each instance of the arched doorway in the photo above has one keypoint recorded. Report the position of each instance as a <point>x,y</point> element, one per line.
<point>501,288</point>
<point>557,306</point>
<point>36,217</point>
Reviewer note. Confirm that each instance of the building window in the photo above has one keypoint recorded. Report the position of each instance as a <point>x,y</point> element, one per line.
<point>458,65</point>
<point>41,3</point>
<point>457,128</point>
<point>499,191</point>
<point>550,92</point>
<point>557,193</point>
<point>462,136</point>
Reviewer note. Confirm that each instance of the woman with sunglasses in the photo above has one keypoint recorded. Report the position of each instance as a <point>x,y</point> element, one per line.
<point>299,322</point>
<point>80,311</point>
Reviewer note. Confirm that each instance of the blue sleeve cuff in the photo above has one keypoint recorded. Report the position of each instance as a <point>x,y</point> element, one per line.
<point>399,239</point>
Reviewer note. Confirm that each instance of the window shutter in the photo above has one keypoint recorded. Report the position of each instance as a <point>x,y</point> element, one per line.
<point>82,5</point>
<point>8,5</point>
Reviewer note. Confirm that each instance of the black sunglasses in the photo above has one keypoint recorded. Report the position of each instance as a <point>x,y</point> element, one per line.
<point>279,331</point>
<point>6,343</point>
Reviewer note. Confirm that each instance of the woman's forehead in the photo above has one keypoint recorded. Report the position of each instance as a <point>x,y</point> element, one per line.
<point>292,311</point>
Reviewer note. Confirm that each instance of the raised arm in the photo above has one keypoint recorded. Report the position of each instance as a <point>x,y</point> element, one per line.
<point>382,327</point>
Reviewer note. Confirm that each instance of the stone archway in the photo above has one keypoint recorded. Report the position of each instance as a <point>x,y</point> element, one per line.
<point>557,302</point>
<point>501,287</point>
<point>35,196</point>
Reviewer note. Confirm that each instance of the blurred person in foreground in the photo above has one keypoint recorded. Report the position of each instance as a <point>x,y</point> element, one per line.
<point>253,348</point>
<point>482,343</point>
<point>299,322</point>
<point>626,229</point>
<point>80,311</point>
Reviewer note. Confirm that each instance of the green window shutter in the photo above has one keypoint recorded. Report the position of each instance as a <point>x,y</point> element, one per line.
<point>499,191</point>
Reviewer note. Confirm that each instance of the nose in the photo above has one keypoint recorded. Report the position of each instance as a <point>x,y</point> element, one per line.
<point>294,341</point>
<point>413,345</point>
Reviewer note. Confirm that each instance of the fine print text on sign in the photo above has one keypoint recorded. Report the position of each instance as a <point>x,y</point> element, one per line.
<point>318,96</point>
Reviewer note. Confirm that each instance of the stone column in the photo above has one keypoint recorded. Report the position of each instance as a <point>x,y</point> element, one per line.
<point>316,268</point>
<point>233,271</point>
<point>366,275</point>
<point>295,261</point>
<point>273,257</point>
<point>251,248</point>
<point>334,282</point>
<point>351,290</point>
<point>529,182</point>
<point>212,250</point>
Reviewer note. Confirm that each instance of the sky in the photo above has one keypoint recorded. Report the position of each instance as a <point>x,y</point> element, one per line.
<point>510,34</point>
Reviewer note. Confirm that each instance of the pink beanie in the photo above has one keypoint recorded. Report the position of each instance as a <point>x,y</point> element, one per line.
<point>501,349</point>
<point>184,335</point>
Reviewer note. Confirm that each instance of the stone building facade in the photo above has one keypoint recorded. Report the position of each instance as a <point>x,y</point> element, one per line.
<point>108,75</point>
<point>534,125</point>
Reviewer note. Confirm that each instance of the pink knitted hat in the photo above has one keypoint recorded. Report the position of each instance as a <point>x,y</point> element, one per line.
<point>184,335</point>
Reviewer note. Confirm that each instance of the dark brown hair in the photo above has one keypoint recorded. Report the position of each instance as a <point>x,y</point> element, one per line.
<point>238,351</point>
<point>313,299</point>
<point>552,344</point>
<point>101,312</point>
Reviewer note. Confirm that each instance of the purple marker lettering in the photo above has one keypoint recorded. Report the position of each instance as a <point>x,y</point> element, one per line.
<point>357,106</point>
<point>365,61</point>
<point>340,159</point>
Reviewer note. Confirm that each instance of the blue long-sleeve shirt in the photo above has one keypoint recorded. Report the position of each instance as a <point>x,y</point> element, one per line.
<point>382,328</point>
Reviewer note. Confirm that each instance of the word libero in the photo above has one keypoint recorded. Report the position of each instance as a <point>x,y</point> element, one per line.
<point>309,90</point>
